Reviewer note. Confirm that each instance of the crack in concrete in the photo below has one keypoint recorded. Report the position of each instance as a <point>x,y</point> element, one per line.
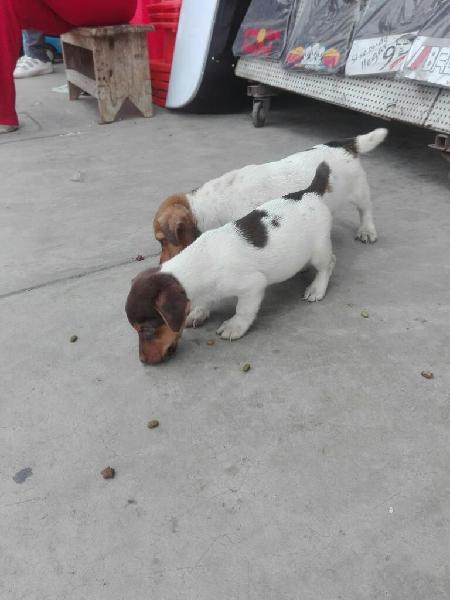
<point>86,273</point>
<point>33,138</point>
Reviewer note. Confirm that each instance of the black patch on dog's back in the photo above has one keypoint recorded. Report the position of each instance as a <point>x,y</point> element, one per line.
<point>348,144</point>
<point>275,221</point>
<point>319,185</point>
<point>252,228</point>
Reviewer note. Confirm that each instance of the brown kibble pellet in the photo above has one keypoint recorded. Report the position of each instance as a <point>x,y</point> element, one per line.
<point>211,342</point>
<point>108,473</point>
<point>427,374</point>
<point>73,338</point>
<point>246,367</point>
<point>153,424</point>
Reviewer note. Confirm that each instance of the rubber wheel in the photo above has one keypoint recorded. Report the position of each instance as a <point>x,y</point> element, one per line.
<point>259,114</point>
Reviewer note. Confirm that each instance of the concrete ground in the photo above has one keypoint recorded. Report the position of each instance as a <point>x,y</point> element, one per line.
<point>321,474</point>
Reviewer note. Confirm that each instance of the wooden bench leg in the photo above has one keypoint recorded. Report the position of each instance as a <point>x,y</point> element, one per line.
<point>143,100</point>
<point>140,85</point>
<point>74,91</point>
<point>121,72</point>
<point>108,105</point>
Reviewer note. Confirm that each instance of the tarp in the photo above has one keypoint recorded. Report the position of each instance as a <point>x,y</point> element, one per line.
<point>264,29</point>
<point>429,58</point>
<point>385,34</point>
<point>319,40</point>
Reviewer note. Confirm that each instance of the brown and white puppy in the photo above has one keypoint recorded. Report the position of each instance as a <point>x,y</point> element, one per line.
<point>239,259</point>
<point>156,307</point>
<point>181,217</point>
<point>174,226</point>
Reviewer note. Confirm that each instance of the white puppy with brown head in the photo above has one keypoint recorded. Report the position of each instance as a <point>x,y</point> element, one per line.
<point>268,245</point>
<point>183,217</point>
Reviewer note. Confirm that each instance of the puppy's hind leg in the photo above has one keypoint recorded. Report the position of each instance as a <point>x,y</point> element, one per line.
<point>324,261</point>
<point>361,199</point>
<point>247,308</point>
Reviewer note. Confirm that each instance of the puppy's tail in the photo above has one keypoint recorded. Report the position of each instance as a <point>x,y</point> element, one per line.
<point>369,141</point>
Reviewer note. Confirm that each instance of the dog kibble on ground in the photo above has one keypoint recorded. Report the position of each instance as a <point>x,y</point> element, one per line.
<point>246,367</point>
<point>73,338</point>
<point>427,374</point>
<point>153,424</point>
<point>211,342</point>
<point>139,257</point>
<point>77,176</point>
<point>365,313</point>
<point>108,473</point>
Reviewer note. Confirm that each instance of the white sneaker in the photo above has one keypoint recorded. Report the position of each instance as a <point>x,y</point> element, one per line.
<point>8,128</point>
<point>30,67</point>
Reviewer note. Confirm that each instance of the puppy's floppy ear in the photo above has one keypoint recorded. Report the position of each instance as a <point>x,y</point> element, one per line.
<point>177,225</point>
<point>172,304</point>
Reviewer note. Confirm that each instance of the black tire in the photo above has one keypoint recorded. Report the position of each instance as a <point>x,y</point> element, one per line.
<point>259,113</point>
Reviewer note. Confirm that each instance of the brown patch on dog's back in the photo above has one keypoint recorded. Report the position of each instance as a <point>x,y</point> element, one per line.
<point>275,222</point>
<point>252,229</point>
<point>319,185</point>
<point>347,144</point>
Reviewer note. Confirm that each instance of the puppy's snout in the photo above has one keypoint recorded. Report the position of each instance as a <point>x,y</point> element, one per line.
<point>150,356</point>
<point>171,351</point>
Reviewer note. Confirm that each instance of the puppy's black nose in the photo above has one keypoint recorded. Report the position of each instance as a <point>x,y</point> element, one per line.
<point>171,351</point>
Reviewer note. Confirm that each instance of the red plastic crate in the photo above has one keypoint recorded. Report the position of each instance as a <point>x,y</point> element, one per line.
<point>160,66</point>
<point>161,42</point>
<point>160,74</point>
<point>164,4</point>
<point>159,97</point>
<point>163,18</point>
<point>164,14</point>
<point>157,81</point>
<point>159,92</point>
<point>160,85</point>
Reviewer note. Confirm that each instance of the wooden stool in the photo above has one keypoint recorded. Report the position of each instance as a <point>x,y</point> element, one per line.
<point>111,64</point>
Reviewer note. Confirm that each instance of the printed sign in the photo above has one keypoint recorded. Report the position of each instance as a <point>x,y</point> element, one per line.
<point>429,61</point>
<point>429,57</point>
<point>385,34</point>
<point>379,55</point>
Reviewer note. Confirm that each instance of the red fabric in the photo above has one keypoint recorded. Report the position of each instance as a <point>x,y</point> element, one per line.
<point>49,16</point>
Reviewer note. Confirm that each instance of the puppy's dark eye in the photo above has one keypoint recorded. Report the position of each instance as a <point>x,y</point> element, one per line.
<point>147,333</point>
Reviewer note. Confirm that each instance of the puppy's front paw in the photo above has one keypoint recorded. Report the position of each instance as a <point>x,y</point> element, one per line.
<point>366,235</point>
<point>234,328</point>
<point>197,317</point>
<point>314,293</point>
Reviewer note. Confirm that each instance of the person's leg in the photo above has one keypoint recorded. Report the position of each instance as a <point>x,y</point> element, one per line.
<point>51,16</point>
<point>16,15</point>
<point>34,45</point>
<point>35,60</point>
<point>9,51</point>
